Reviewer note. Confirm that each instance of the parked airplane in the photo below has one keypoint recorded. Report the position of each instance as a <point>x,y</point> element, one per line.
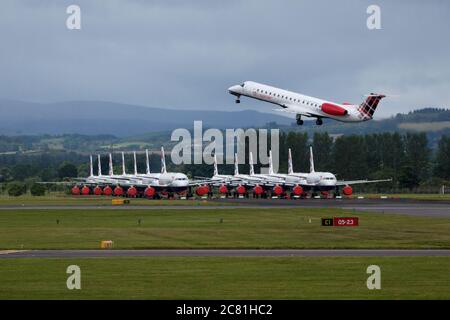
<point>320,181</point>
<point>302,105</point>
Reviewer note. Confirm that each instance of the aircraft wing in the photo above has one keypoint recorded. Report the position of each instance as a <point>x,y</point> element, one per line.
<point>350,182</point>
<point>294,109</point>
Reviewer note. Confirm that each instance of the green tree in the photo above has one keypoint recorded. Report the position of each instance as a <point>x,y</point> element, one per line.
<point>67,170</point>
<point>16,189</point>
<point>37,189</point>
<point>442,167</point>
<point>417,154</point>
<point>408,178</point>
<point>323,151</point>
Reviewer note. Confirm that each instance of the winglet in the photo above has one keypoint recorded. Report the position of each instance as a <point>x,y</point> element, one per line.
<point>250,160</point>
<point>311,159</point>
<point>290,166</point>
<point>147,161</point>
<point>163,161</point>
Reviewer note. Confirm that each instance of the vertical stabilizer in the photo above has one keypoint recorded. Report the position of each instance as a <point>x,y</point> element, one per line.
<point>311,160</point>
<point>216,170</point>
<point>163,161</point>
<point>91,166</point>
<point>135,164</point>
<point>124,171</point>
<point>290,166</point>
<point>111,170</point>
<point>250,160</point>
<point>99,166</point>
<point>147,162</point>
<point>236,165</point>
<point>270,162</point>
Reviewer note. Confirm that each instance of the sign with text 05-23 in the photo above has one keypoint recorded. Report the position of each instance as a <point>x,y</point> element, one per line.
<point>340,222</point>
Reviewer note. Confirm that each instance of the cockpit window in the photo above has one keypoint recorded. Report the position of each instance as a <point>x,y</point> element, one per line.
<point>242,84</point>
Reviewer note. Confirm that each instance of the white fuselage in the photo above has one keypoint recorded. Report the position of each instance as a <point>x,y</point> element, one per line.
<point>295,102</point>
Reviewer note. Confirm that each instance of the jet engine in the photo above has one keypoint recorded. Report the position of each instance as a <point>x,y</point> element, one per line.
<point>333,109</point>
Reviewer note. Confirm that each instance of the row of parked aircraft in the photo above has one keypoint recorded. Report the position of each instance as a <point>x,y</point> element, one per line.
<point>168,184</point>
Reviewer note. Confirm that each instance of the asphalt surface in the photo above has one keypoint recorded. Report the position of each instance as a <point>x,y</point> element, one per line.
<point>396,206</point>
<point>221,253</point>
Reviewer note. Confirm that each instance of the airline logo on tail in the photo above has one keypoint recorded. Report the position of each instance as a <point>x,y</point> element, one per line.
<point>368,107</point>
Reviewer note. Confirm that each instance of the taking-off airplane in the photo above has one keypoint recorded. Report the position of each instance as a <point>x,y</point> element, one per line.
<point>302,105</point>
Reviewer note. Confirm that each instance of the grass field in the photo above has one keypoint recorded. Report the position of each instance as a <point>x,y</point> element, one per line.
<point>66,200</point>
<point>212,228</point>
<point>226,278</point>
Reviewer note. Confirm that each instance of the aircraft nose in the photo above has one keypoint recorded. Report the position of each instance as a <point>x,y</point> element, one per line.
<point>234,89</point>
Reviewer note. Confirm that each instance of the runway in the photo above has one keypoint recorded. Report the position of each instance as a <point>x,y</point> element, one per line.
<point>394,206</point>
<point>222,253</point>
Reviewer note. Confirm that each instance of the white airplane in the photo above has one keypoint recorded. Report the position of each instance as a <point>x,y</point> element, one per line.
<point>302,105</point>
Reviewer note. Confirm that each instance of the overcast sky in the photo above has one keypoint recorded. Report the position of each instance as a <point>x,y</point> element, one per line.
<point>185,54</point>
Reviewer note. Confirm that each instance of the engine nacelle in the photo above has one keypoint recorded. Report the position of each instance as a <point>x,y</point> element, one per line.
<point>85,190</point>
<point>98,191</point>
<point>76,191</point>
<point>333,109</point>
<point>258,189</point>
<point>149,192</point>
<point>240,189</point>
<point>202,190</point>
<point>107,191</point>
<point>347,190</point>
<point>223,189</point>
<point>118,191</point>
<point>297,190</point>
<point>132,192</point>
<point>278,190</point>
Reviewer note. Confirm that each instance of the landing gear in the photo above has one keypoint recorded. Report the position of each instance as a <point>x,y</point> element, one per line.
<point>298,117</point>
<point>238,99</point>
<point>319,121</point>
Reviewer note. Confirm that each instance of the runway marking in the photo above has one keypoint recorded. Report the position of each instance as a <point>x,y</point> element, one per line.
<point>230,253</point>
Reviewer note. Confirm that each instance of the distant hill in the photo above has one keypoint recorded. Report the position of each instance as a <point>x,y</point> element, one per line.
<point>93,117</point>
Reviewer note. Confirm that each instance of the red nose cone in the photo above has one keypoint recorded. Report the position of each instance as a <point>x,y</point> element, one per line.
<point>118,191</point>
<point>132,192</point>
<point>333,109</point>
<point>85,191</point>
<point>240,189</point>
<point>202,190</point>
<point>223,189</point>
<point>347,190</point>
<point>107,191</point>
<point>149,192</point>
<point>297,190</point>
<point>258,189</point>
<point>75,191</point>
<point>278,190</point>
<point>98,191</point>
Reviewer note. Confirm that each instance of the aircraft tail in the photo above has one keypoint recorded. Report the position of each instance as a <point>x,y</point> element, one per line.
<point>368,107</point>
<point>123,165</point>
<point>236,165</point>
<point>135,163</point>
<point>147,161</point>
<point>111,170</point>
<point>216,170</point>
<point>91,166</point>
<point>163,161</point>
<point>250,160</point>
<point>270,162</point>
<point>311,160</point>
<point>290,166</point>
<point>99,166</point>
